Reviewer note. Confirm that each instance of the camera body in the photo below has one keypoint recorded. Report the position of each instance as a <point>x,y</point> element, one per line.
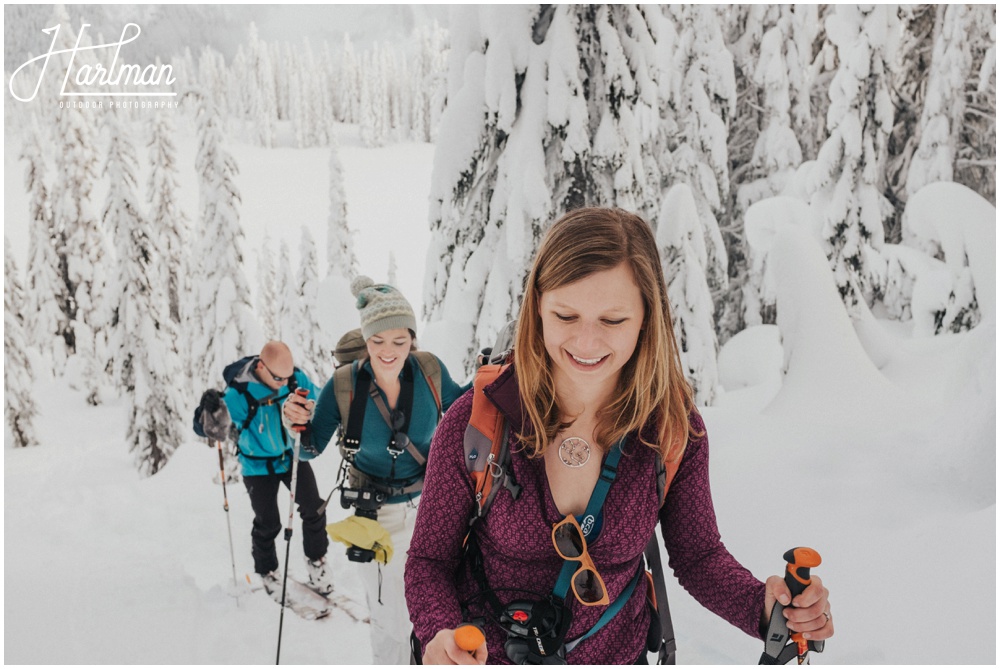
<point>366,502</point>
<point>536,631</point>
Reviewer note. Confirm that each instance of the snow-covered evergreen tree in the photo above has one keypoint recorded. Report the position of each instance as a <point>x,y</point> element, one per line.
<point>263,110</point>
<point>83,249</point>
<point>848,179</point>
<point>122,216</point>
<point>267,303</point>
<point>549,108</point>
<point>224,322</point>
<point>910,66</point>
<point>296,101</point>
<point>976,164</point>
<point>45,299</point>
<point>429,81</point>
<point>705,98</point>
<point>350,84</point>
<point>147,365</point>
<point>287,298</point>
<point>19,402</point>
<point>392,269</point>
<point>165,214</point>
<point>374,99</point>
<point>310,340</point>
<point>684,254</point>
<point>341,260</point>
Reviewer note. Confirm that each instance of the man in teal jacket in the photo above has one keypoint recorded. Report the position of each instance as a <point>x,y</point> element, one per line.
<point>251,407</point>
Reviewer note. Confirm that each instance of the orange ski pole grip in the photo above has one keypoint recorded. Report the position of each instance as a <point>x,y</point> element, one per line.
<point>469,637</point>
<point>797,578</point>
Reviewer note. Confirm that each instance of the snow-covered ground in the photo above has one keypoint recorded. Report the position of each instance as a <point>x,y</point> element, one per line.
<point>888,471</point>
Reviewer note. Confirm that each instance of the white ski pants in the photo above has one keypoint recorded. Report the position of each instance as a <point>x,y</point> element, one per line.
<point>391,626</point>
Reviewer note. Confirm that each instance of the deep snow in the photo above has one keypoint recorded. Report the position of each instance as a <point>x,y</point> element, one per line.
<point>888,470</point>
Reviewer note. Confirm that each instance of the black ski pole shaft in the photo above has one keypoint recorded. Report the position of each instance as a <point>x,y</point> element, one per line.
<point>291,518</point>
<point>225,506</point>
<point>797,578</point>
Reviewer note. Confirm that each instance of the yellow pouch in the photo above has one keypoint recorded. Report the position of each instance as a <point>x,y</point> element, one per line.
<point>363,533</point>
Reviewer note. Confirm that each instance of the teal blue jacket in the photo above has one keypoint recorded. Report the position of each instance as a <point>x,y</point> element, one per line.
<point>374,458</point>
<point>265,441</point>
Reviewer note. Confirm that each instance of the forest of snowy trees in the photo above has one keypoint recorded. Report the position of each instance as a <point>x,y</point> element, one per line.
<point>690,115</point>
<point>698,117</point>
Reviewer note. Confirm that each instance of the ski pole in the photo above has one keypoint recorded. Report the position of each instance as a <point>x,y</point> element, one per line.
<point>291,518</point>
<point>797,578</point>
<point>225,506</point>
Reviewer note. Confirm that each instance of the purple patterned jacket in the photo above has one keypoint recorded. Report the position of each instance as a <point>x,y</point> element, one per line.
<point>517,547</point>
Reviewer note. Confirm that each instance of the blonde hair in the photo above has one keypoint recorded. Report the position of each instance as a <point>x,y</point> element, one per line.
<point>652,393</point>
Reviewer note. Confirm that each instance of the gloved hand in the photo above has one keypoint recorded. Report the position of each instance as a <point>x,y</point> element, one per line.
<point>211,399</point>
<point>215,420</point>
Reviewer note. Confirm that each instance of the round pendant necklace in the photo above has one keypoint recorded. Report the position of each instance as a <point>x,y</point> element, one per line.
<point>574,452</point>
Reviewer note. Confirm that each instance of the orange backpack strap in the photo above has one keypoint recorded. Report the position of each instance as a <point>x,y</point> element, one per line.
<point>485,444</point>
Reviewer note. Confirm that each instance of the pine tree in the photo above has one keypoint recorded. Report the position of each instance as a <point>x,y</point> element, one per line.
<point>296,103</point>
<point>226,325</point>
<point>350,84</point>
<point>267,303</point>
<point>705,98</point>
<point>683,251</point>
<point>147,364</point>
<point>341,260</point>
<point>976,164</point>
<point>121,217</point>
<point>165,214</point>
<point>83,249</point>
<point>46,299</point>
<point>313,351</point>
<point>847,181</point>
<point>287,297</point>
<point>19,402</point>
<point>570,98</point>
<point>911,65</point>
<point>392,269</point>
<point>260,82</point>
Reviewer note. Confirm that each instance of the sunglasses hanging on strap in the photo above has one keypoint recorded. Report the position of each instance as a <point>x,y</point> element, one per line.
<point>579,574</point>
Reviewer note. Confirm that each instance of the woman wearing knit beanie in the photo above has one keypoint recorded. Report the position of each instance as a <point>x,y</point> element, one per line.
<point>386,407</point>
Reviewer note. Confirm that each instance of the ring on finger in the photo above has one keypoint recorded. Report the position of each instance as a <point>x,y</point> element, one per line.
<point>827,614</point>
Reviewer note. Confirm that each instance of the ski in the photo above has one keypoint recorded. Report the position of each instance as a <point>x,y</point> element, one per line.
<point>303,601</point>
<point>351,608</point>
<point>310,604</point>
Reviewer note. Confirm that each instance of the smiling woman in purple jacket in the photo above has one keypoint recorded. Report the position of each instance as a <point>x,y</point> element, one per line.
<point>596,377</point>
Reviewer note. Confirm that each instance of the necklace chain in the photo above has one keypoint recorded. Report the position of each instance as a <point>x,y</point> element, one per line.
<point>574,452</point>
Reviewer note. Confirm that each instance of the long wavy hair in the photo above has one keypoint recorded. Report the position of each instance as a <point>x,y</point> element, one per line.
<point>652,397</point>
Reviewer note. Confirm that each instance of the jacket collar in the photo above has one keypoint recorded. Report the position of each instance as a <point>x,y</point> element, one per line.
<point>505,394</point>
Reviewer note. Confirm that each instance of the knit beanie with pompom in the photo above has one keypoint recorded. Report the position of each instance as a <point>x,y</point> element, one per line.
<point>382,307</point>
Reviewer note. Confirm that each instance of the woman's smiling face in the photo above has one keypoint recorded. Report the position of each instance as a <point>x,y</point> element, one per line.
<point>388,351</point>
<point>591,327</point>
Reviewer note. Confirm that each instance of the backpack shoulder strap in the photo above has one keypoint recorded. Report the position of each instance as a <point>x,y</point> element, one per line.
<point>431,368</point>
<point>252,404</point>
<point>487,456</point>
<point>343,391</point>
<point>665,473</point>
